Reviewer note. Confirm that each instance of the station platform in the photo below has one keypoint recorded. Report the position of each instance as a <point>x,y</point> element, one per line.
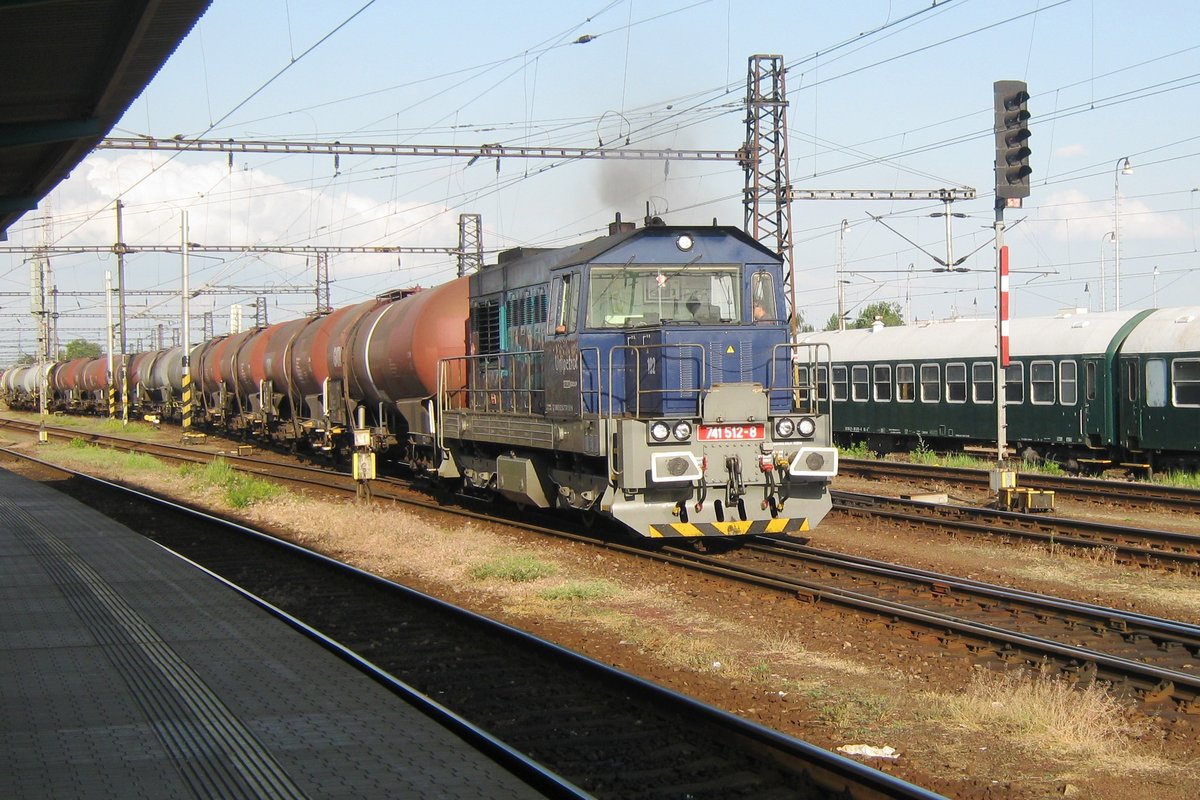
<point>127,672</point>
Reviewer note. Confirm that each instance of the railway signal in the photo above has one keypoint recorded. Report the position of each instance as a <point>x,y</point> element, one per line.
<point>1012,140</point>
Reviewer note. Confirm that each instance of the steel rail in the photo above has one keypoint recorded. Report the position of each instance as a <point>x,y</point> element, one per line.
<point>1096,490</point>
<point>1145,547</point>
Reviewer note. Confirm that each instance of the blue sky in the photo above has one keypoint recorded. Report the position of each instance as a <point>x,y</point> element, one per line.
<point>882,95</point>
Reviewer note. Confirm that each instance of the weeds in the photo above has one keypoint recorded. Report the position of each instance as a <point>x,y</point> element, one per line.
<point>858,450</point>
<point>578,591</point>
<point>83,452</point>
<point>1047,713</point>
<point>1188,480</point>
<point>512,568</point>
<point>240,490</point>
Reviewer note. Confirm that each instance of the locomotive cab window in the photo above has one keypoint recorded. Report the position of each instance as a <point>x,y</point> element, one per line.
<point>956,383</point>
<point>762,297</point>
<point>983,382</point>
<point>1185,382</point>
<point>1014,383</point>
<point>931,383</point>
<point>1041,383</point>
<point>633,294</point>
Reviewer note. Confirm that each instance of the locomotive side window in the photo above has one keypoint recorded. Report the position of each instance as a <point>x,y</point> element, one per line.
<point>983,382</point>
<point>1185,377</point>
<point>762,296</point>
<point>840,389</point>
<point>860,383</point>
<point>906,383</point>
<point>883,383</point>
<point>931,383</point>
<point>956,383</point>
<point>1014,383</point>
<point>1068,382</point>
<point>1041,383</point>
<point>566,303</point>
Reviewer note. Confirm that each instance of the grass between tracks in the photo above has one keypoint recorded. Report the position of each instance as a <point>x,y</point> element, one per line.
<point>238,489</point>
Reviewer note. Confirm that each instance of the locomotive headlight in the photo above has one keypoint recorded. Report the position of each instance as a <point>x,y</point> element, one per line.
<point>684,242</point>
<point>659,431</point>
<point>683,430</point>
<point>784,427</point>
<point>807,426</point>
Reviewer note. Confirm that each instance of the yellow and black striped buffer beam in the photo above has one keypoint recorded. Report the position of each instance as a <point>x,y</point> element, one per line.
<point>756,527</point>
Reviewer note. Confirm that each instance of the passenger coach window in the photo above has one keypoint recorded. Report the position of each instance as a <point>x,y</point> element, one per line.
<point>931,383</point>
<point>1156,383</point>
<point>860,383</point>
<point>1131,380</point>
<point>1089,380</point>
<point>983,382</point>
<point>906,383</point>
<point>1041,383</point>
<point>883,383</point>
<point>1068,382</point>
<point>956,383</point>
<point>1014,383</point>
<point>840,389</point>
<point>822,383</point>
<point>1185,377</point>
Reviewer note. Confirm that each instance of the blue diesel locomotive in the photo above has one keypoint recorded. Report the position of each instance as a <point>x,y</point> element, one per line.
<point>646,376</point>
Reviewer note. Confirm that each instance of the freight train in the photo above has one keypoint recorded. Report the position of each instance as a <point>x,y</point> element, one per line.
<point>646,376</point>
<point>1088,391</point>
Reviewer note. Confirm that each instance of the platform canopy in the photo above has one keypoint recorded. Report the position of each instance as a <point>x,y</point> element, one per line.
<point>68,70</point>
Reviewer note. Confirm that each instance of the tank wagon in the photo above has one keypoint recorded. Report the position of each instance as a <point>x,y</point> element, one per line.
<point>1089,391</point>
<point>646,376</point>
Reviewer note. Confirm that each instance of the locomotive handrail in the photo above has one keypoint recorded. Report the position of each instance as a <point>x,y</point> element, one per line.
<point>702,383</point>
<point>506,382</point>
<point>807,397</point>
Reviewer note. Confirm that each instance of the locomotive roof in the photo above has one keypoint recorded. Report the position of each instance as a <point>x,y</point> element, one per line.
<point>593,250</point>
<point>1066,334</point>
<point>1166,330</point>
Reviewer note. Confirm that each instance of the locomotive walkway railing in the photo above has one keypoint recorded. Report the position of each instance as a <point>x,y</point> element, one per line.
<point>803,364</point>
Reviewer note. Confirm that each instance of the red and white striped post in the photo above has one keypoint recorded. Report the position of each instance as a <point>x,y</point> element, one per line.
<point>1004,361</point>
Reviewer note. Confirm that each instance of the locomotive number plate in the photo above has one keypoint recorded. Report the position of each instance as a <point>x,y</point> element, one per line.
<point>731,433</point>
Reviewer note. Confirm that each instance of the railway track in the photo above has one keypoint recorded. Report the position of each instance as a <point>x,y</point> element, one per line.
<point>1128,545</point>
<point>570,725</point>
<point>1093,490</point>
<point>1081,641</point>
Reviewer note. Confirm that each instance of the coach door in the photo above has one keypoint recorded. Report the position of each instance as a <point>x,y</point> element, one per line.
<point>1096,413</point>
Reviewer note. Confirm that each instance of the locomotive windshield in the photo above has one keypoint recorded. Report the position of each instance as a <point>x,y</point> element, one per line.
<point>624,296</point>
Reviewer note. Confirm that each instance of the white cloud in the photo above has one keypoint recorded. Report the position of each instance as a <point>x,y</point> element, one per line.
<point>1070,151</point>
